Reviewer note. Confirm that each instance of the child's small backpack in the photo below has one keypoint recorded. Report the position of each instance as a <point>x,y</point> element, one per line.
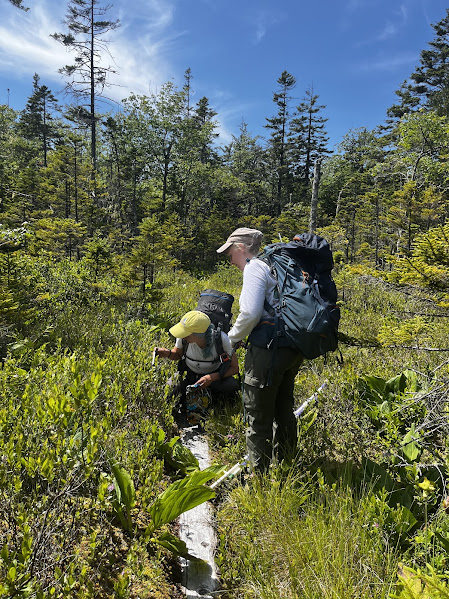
<point>307,316</point>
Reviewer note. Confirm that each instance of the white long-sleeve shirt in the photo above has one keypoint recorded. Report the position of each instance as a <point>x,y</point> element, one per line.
<point>258,285</point>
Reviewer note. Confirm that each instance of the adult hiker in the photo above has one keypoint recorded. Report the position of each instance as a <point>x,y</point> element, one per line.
<point>269,373</point>
<point>197,346</point>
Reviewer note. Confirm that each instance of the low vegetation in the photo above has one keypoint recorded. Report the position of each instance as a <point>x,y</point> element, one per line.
<point>92,476</point>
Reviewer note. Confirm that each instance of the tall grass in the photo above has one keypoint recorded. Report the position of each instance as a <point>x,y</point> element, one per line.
<point>294,537</point>
<point>288,540</point>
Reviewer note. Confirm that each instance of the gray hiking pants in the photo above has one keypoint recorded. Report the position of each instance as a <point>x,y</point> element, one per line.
<point>271,423</point>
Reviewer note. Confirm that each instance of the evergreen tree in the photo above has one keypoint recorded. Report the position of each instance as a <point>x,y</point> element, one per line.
<point>8,164</point>
<point>279,126</point>
<point>36,120</point>
<point>87,78</point>
<point>408,102</point>
<point>158,122</point>
<point>196,157</point>
<point>19,4</point>
<point>307,136</point>
<point>188,90</point>
<point>65,187</point>
<point>129,166</point>
<point>245,158</point>
<point>159,238</point>
<point>428,86</point>
<point>19,172</point>
<point>203,120</point>
<point>359,153</point>
<point>62,237</point>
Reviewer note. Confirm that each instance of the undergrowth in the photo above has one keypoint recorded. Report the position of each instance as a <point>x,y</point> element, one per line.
<point>367,492</point>
<point>86,428</point>
<point>289,537</point>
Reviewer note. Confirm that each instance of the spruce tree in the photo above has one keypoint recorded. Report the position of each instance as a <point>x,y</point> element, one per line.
<point>203,120</point>
<point>279,126</point>
<point>87,78</point>
<point>36,120</point>
<point>308,135</point>
<point>428,86</point>
<point>245,157</point>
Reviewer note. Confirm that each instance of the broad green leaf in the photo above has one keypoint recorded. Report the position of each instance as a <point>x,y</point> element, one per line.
<point>200,477</point>
<point>397,384</point>
<point>172,441</point>
<point>411,451</point>
<point>376,383</point>
<point>427,485</point>
<point>175,501</point>
<point>406,521</point>
<point>178,456</point>
<point>308,420</point>
<point>123,481</point>
<point>384,408</point>
<point>159,434</point>
<point>175,545</point>
<point>374,388</point>
<point>410,445</point>
<point>12,574</point>
<point>413,384</point>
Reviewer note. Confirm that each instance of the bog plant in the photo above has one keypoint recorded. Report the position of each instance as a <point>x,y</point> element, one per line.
<point>93,474</point>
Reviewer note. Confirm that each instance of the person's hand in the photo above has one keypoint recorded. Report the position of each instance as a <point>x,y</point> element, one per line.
<point>238,345</point>
<point>205,381</point>
<point>162,352</point>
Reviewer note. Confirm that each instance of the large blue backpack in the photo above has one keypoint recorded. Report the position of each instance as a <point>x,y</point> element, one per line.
<point>307,315</point>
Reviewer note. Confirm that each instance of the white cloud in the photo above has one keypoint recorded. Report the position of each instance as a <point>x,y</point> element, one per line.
<point>403,12</point>
<point>390,63</point>
<point>26,46</point>
<point>390,30</point>
<point>230,113</point>
<point>140,51</point>
<point>153,15</point>
<point>263,21</point>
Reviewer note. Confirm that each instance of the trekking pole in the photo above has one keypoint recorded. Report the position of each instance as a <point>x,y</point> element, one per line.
<point>154,356</point>
<point>234,470</point>
<point>308,401</point>
<point>240,465</point>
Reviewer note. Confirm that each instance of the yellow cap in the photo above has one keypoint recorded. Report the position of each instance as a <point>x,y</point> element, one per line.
<point>192,322</point>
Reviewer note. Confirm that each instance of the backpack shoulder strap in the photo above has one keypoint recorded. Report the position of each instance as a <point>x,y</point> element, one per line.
<point>225,358</point>
<point>218,340</point>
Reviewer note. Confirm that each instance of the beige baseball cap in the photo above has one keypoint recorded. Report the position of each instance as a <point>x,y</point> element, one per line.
<point>244,235</point>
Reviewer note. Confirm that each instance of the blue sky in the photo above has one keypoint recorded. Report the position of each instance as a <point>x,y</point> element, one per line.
<point>355,53</point>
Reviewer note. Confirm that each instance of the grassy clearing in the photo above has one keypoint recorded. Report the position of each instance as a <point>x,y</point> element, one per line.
<point>290,539</point>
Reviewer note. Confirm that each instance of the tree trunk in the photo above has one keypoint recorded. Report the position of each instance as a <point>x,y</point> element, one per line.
<point>314,201</point>
<point>75,177</point>
<point>92,94</point>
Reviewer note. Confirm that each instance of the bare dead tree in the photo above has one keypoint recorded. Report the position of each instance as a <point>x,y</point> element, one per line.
<point>314,201</point>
